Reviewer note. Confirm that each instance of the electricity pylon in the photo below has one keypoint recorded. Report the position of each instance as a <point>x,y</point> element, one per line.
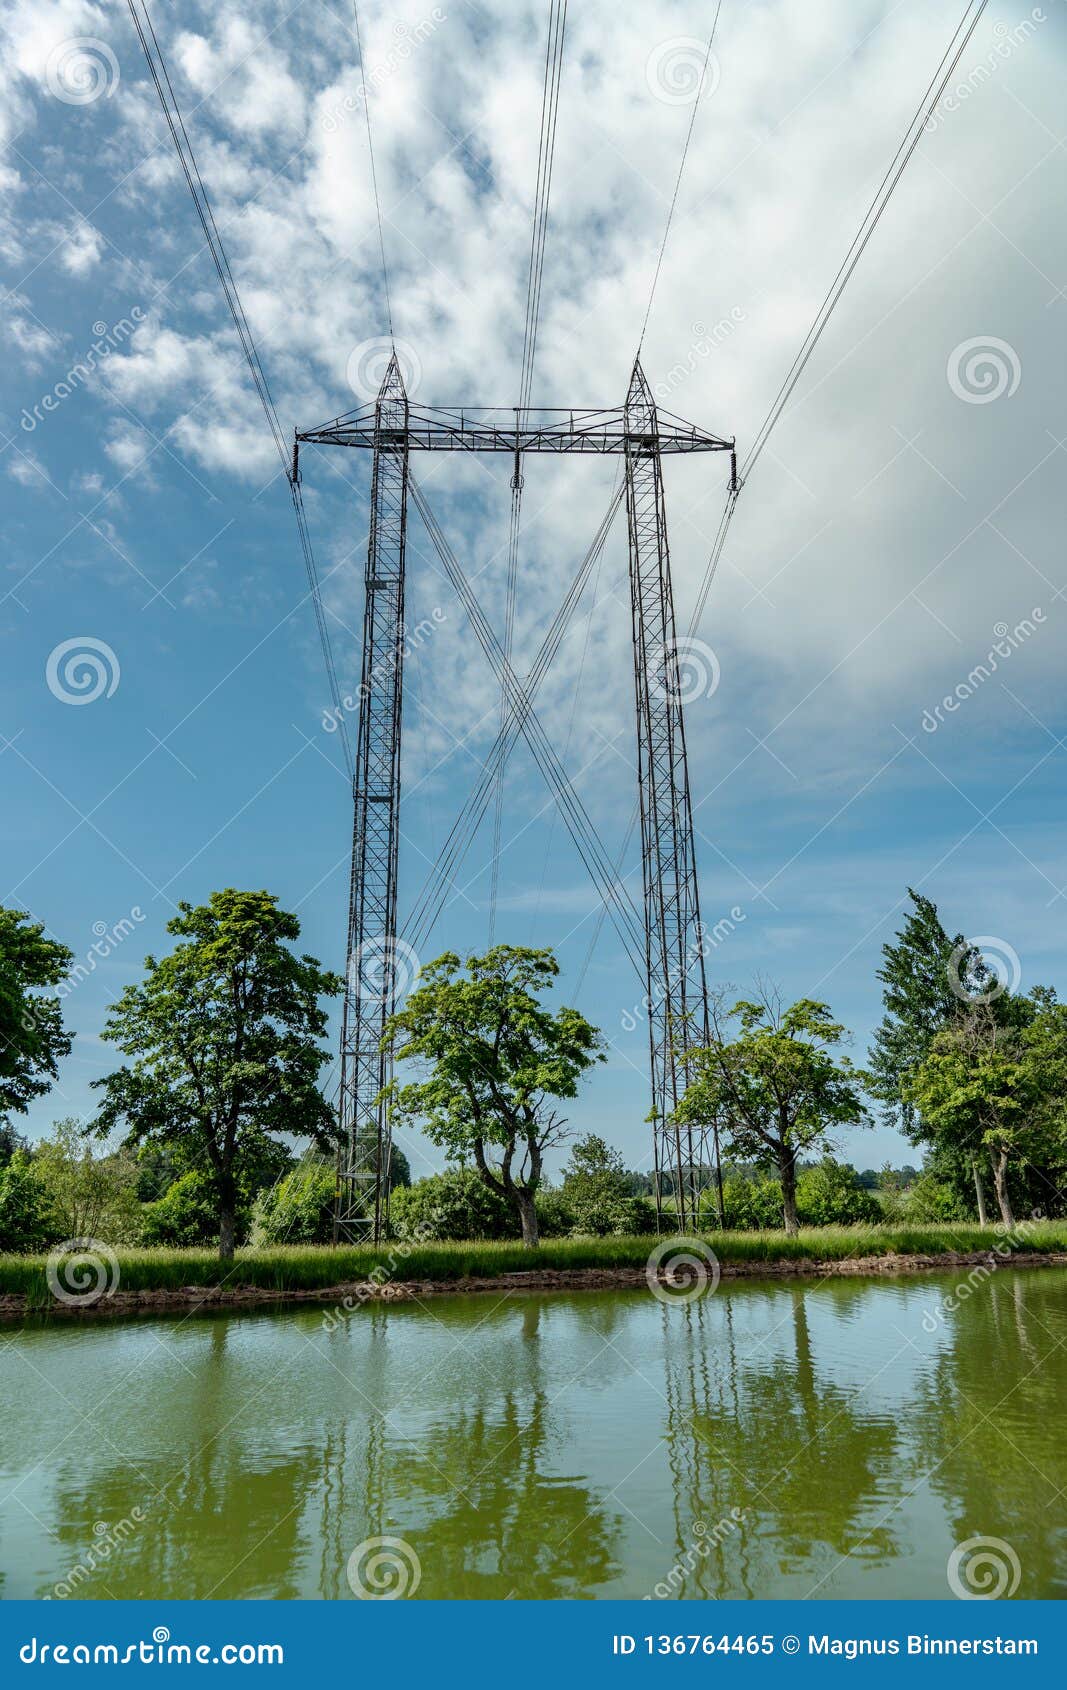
<point>392,427</point>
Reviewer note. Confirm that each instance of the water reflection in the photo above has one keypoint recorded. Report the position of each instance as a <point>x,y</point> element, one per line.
<point>833,1438</point>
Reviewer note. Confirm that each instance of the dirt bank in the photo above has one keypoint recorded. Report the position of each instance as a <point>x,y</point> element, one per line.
<point>351,1295</point>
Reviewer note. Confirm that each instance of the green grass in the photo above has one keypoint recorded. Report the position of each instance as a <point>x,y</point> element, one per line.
<point>311,1267</point>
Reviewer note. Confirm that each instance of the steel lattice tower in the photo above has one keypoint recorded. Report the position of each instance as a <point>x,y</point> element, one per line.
<point>370,982</point>
<point>392,427</point>
<point>674,952</point>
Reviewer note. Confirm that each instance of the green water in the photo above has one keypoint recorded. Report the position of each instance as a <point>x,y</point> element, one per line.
<point>835,1439</point>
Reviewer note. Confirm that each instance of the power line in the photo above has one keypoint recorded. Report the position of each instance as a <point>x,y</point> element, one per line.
<point>373,172</point>
<point>157,66</point>
<point>557,24</point>
<point>579,824</point>
<point>678,179</point>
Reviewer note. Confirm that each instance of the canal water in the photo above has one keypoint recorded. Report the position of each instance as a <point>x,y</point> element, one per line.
<point>839,1438</point>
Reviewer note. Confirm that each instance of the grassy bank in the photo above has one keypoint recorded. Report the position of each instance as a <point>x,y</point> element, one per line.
<point>308,1268</point>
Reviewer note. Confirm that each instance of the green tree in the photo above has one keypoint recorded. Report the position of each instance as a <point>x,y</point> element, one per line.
<point>928,979</point>
<point>597,1191</point>
<point>777,1089</point>
<point>10,1141</point>
<point>979,1086</point>
<point>23,1225</point>
<point>830,1194</point>
<point>454,1204</point>
<point>223,1034</point>
<point>87,1195</point>
<point>494,1058</point>
<point>32,1038</point>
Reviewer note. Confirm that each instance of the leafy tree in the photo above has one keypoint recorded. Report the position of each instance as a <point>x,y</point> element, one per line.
<point>455,1204</point>
<point>223,1035</point>
<point>830,1194</point>
<point>596,1190</point>
<point>494,1059</point>
<point>23,1225</point>
<point>32,1038</point>
<point>86,1195</point>
<point>299,1209</point>
<point>976,1087</point>
<point>10,1141</point>
<point>928,978</point>
<point>777,1089</point>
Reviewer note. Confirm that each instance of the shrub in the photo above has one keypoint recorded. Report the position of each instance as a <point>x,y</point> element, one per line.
<point>830,1194</point>
<point>597,1192</point>
<point>298,1210</point>
<point>23,1225</point>
<point>86,1195</point>
<point>188,1213</point>
<point>934,1199</point>
<point>555,1218</point>
<point>454,1204</point>
<point>749,1205</point>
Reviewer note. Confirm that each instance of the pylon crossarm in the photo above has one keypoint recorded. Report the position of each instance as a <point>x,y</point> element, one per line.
<point>507,429</point>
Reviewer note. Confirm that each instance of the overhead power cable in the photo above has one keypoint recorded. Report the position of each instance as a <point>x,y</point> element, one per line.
<point>875,211</point>
<point>427,907</point>
<point>580,826</point>
<point>678,178</point>
<point>546,150</point>
<point>157,66</point>
<point>373,172</point>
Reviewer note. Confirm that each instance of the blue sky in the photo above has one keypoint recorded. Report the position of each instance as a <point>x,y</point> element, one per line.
<point>910,506</point>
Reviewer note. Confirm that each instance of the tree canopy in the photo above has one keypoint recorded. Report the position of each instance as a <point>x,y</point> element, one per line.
<point>32,1036</point>
<point>224,1034</point>
<point>777,1089</point>
<point>494,1059</point>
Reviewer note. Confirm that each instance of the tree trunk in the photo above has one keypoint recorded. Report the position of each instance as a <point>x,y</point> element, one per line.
<point>528,1218</point>
<point>227,1217</point>
<point>1000,1185</point>
<point>787,1170</point>
<point>979,1191</point>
